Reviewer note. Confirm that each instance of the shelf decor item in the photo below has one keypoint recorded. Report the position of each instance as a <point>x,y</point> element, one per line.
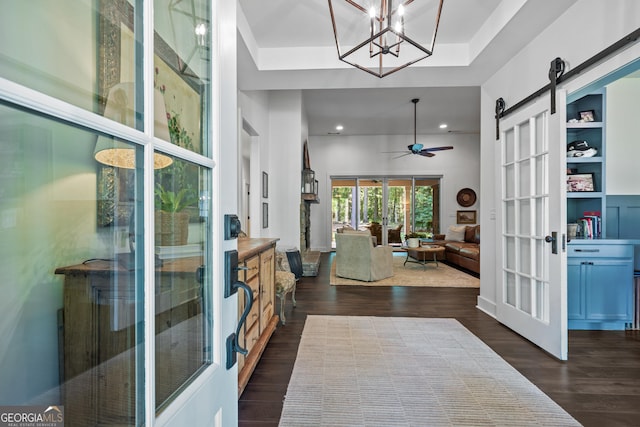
<point>466,197</point>
<point>587,116</point>
<point>580,182</point>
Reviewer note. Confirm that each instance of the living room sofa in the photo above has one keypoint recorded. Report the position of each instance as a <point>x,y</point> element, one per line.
<point>461,249</point>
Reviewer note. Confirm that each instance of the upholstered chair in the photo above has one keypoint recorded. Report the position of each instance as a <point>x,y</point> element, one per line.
<point>357,258</point>
<point>285,283</point>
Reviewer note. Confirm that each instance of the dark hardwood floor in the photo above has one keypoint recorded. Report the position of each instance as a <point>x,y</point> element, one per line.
<point>599,385</point>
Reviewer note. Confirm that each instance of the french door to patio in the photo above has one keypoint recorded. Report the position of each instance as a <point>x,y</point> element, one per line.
<point>387,206</point>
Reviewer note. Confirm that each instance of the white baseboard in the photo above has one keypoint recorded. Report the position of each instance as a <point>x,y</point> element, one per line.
<point>489,307</point>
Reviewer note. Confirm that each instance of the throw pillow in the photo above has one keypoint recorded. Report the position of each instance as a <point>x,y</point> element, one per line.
<point>455,233</point>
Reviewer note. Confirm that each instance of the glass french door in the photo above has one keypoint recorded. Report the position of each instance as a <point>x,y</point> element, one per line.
<point>109,157</point>
<point>388,207</point>
<point>531,264</point>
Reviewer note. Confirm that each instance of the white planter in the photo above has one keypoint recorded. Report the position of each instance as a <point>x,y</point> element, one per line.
<point>413,242</point>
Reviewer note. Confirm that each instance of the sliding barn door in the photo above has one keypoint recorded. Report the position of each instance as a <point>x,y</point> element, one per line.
<point>531,263</point>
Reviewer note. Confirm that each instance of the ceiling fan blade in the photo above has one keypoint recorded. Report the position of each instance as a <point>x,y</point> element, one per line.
<point>426,153</point>
<point>449,147</point>
<point>403,151</point>
<point>401,155</point>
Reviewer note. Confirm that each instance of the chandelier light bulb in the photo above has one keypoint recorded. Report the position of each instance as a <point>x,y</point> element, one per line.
<point>401,10</point>
<point>372,12</point>
<point>201,29</point>
<point>398,27</point>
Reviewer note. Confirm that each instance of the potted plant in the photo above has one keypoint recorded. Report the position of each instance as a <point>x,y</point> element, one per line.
<point>172,221</point>
<point>175,192</point>
<point>412,240</point>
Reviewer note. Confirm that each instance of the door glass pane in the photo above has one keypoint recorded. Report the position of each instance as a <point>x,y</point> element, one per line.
<point>524,179</point>
<point>182,70</point>
<point>509,181</point>
<point>525,217</point>
<point>426,202</point>
<point>182,308</point>
<point>510,253</point>
<point>524,251</point>
<point>524,141</point>
<point>541,175</point>
<point>541,218</point>
<point>343,212</point>
<point>540,258</point>
<point>399,210</point>
<point>370,206</point>
<point>541,306</point>
<point>541,142</point>
<point>510,217</point>
<point>509,146</point>
<point>525,294</point>
<point>75,39</point>
<point>510,289</point>
<point>71,287</point>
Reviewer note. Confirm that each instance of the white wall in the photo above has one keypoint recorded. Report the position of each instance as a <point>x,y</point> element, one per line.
<point>364,155</point>
<point>601,23</point>
<point>254,108</point>
<point>285,165</point>
<point>623,139</point>
<point>281,125</point>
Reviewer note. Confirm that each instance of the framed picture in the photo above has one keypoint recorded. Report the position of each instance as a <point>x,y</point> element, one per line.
<point>265,215</point>
<point>466,217</point>
<point>265,185</point>
<point>587,116</point>
<point>580,182</point>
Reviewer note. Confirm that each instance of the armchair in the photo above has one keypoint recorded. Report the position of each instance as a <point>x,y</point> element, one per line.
<point>357,258</point>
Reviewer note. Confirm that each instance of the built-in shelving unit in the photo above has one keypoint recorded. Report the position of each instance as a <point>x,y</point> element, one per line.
<point>593,132</point>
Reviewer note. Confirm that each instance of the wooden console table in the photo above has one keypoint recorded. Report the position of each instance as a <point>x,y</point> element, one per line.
<point>99,350</point>
<point>100,337</point>
<point>259,259</point>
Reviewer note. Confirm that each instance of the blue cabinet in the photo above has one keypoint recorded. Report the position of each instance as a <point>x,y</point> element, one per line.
<point>600,286</point>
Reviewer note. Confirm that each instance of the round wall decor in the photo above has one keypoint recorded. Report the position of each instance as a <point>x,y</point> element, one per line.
<point>466,197</point>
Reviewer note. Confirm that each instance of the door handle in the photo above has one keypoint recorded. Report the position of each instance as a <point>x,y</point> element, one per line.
<point>233,346</point>
<point>553,239</point>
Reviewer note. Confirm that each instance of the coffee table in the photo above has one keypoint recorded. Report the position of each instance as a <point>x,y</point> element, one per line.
<point>423,254</point>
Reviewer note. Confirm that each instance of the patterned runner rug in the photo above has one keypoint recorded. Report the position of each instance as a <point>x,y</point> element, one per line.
<point>413,274</point>
<point>386,371</point>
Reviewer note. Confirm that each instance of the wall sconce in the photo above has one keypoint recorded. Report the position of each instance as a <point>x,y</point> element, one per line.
<point>120,108</point>
<point>308,181</point>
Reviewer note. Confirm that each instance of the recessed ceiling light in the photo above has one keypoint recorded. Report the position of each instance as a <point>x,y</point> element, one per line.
<point>443,126</point>
<point>339,127</point>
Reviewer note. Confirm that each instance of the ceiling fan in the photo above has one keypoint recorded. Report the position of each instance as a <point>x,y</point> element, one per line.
<point>416,148</point>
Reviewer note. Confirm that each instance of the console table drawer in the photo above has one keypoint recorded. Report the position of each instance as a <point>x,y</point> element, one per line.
<point>600,251</point>
<point>253,267</point>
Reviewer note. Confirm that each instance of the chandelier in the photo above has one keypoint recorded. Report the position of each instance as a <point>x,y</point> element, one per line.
<point>375,32</point>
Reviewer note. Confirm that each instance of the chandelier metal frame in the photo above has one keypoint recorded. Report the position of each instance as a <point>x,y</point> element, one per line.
<point>380,25</point>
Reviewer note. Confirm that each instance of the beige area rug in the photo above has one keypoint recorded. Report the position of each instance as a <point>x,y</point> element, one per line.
<point>415,275</point>
<point>385,371</point>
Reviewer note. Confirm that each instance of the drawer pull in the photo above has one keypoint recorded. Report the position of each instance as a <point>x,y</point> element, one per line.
<point>587,250</point>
